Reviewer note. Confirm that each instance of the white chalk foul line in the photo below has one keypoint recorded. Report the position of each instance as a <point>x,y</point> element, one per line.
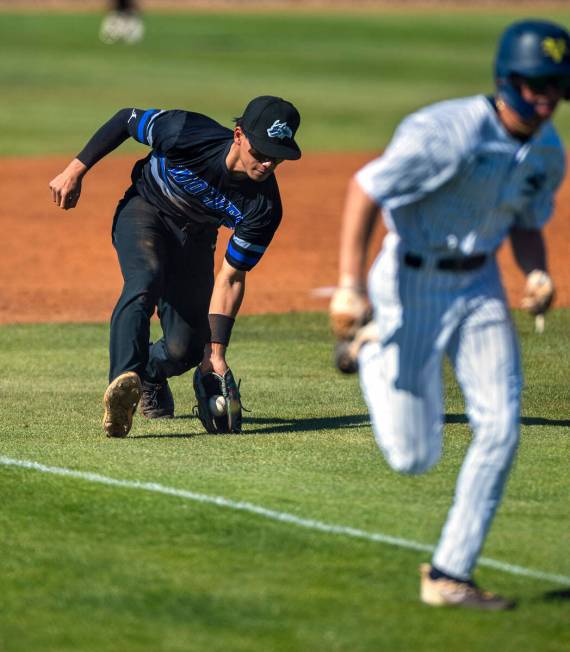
<point>283,517</point>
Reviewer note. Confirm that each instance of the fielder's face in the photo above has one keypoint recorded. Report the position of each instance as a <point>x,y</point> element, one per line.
<point>250,161</point>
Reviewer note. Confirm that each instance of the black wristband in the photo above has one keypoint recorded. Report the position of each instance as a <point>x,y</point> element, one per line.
<point>220,328</point>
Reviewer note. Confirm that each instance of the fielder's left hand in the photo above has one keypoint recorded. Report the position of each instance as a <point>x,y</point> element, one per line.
<point>212,384</point>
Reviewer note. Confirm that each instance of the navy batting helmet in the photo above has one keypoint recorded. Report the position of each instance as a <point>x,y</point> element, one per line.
<point>531,49</point>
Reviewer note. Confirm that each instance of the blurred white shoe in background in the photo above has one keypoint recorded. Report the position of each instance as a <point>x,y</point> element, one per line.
<point>122,26</point>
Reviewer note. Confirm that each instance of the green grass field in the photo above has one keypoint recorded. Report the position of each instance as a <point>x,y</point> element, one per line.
<point>89,566</point>
<point>353,76</point>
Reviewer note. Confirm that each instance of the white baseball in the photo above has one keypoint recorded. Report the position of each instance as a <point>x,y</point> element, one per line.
<point>217,405</point>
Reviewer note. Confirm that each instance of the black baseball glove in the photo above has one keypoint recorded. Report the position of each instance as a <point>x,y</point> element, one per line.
<point>212,384</point>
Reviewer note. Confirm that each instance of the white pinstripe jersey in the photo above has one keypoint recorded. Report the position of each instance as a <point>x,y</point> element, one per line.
<point>452,179</point>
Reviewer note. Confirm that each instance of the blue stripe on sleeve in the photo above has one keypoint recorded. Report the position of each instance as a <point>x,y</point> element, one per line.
<point>142,125</point>
<point>163,167</point>
<point>234,253</point>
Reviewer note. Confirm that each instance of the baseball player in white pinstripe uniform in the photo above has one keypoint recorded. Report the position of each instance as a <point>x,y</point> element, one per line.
<point>457,179</point>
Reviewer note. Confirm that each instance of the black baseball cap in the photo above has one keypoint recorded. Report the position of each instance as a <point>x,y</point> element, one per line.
<point>270,124</point>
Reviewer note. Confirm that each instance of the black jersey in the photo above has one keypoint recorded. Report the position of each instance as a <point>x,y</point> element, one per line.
<point>186,178</point>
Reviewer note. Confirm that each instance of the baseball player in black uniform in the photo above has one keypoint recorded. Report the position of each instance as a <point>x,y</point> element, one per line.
<point>198,177</point>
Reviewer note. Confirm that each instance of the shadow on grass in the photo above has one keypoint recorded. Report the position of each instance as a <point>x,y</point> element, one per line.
<point>168,435</point>
<point>525,421</point>
<point>556,596</point>
<point>272,426</point>
<point>268,426</point>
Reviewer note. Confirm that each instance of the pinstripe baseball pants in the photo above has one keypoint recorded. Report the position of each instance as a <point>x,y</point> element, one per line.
<point>424,314</point>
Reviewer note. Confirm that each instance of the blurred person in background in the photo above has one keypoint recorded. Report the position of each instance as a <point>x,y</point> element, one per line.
<point>123,22</point>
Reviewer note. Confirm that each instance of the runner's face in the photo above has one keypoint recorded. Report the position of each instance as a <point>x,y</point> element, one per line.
<point>544,93</point>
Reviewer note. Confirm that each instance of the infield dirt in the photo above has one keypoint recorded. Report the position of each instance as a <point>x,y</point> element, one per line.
<point>60,266</point>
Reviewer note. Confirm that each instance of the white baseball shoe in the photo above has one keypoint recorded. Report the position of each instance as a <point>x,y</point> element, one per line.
<point>120,402</point>
<point>122,26</point>
<point>445,592</point>
<point>133,29</point>
<point>111,28</point>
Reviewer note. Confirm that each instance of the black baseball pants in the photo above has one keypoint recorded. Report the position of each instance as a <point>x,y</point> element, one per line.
<point>160,272</point>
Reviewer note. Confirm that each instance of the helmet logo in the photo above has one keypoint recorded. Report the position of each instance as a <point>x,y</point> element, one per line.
<point>555,48</point>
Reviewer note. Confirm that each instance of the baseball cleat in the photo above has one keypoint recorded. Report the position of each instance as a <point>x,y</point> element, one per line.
<point>445,592</point>
<point>120,402</point>
<point>157,401</point>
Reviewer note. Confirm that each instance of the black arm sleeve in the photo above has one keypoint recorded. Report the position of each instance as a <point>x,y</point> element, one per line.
<point>106,139</point>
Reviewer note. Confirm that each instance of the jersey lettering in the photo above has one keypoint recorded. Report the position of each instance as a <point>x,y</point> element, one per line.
<point>196,186</point>
<point>210,197</point>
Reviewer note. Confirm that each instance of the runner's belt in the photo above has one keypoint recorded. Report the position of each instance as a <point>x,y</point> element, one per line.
<point>458,264</point>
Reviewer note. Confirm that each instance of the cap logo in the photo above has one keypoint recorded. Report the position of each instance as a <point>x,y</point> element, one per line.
<point>279,130</point>
<point>555,48</point>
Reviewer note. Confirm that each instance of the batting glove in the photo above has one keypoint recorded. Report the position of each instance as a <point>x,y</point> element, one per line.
<point>538,292</point>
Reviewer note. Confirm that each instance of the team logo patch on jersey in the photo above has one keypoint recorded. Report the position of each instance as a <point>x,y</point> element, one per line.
<point>555,48</point>
<point>279,130</point>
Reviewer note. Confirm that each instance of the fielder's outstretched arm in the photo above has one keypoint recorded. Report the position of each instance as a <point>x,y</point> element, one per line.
<point>229,290</point>
<point>66,186</point>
